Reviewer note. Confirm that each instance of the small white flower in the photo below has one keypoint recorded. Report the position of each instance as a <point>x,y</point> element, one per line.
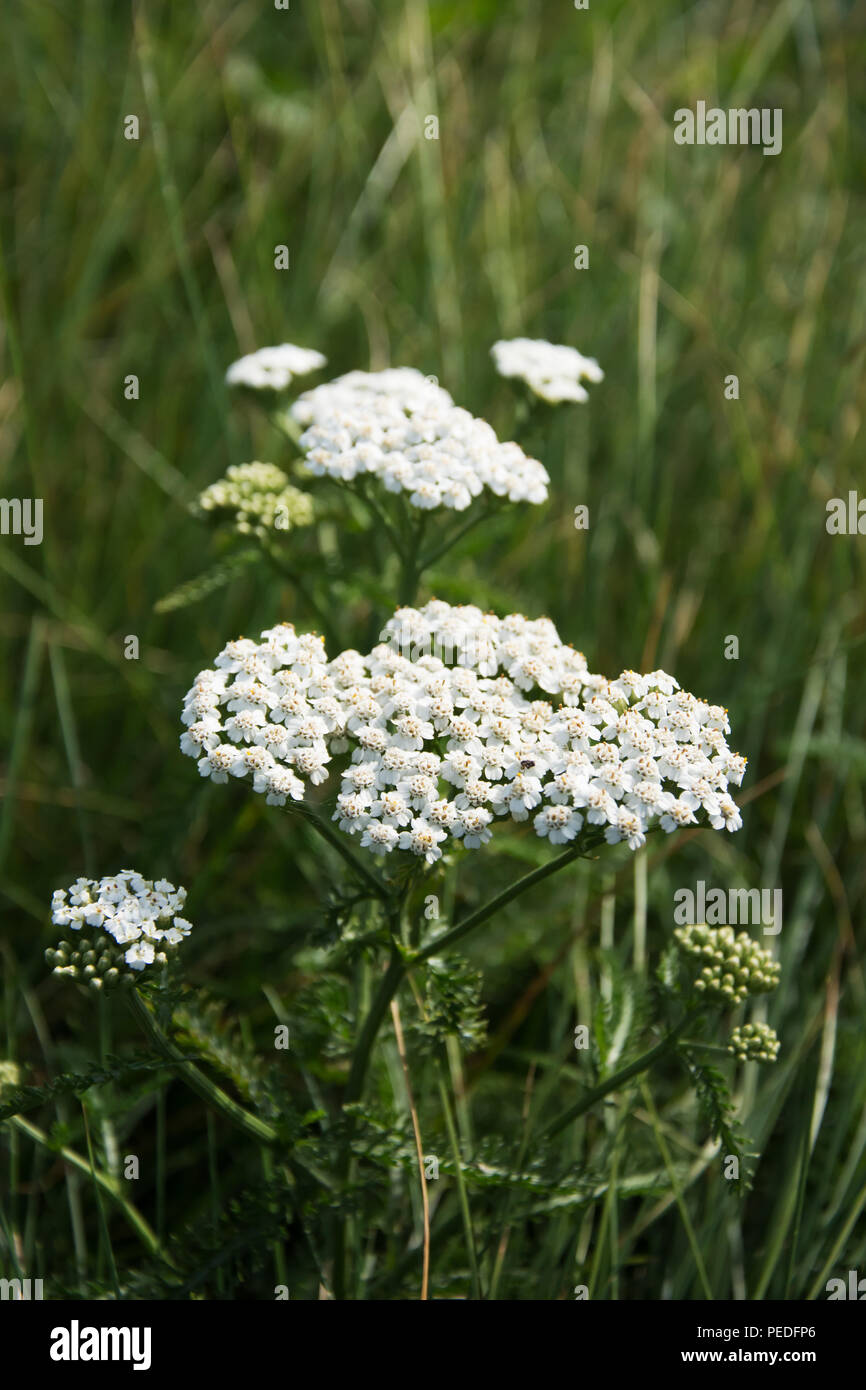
<point>274,368</point>
<point>559,823</point>
<point>423,839</point>
<point>552,371</point>
<point>379,837</point>
<point>140,954</point>
<point>628,827</point>
<point>677,816</point>
<point>728,816</point>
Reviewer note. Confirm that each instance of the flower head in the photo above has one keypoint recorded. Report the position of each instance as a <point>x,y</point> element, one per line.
<point>552,371</point>
<point>274,368</point>
<point>638,753</point>
<point>754,1042</point>
<point>264,712</point>
<point>407,433</point>
<point>730,965</point>
<point>260,497</point>
<point>122,923</point>
<point>455,719</point>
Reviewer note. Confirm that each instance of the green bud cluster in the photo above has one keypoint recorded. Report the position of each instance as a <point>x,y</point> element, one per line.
<point>97,961</point>
<point>754,1042</point>
<point>261,498</point>
<point>731,966</point>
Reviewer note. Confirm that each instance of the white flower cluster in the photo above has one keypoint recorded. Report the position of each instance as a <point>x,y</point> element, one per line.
<point>125,921</point>
<point>640,752</point>
<point>365,391</point>
<point>265,713</point>
<point>274,368</point>
<point>552,371</point>
<point>458,717</point>
<point>407,432</point>
<point>454,738</point>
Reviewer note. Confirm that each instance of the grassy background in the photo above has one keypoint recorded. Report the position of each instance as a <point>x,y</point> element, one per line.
<point>155,257</point>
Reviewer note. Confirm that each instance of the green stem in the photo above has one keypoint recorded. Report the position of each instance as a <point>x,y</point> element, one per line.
<point>438,551</point>
<point>462,1194</point>
<point>410,561</point>
<point>513,890</point>
<point>409,576</point>
<point>397,969</point>
<point>213,1095</point>
<point>208,1090</point>
<point>337,842</point>
<point>617,1081</point>
<point>388,986</point>
<point>108,1185</point>
<point>363,493</point>
<point>286,424</point>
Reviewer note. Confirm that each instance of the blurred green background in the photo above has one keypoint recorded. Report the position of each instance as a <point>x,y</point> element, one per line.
<point>261,127</point>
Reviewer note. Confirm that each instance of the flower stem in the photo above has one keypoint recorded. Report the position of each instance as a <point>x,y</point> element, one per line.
<point>363,492</point>
<point>388,986</point>
<point>462,1195</point>
<point>513,890</point>
<point>337,842</point>
<point>390,982</point>
<point>329,633</point>
<point>287,425</point>
<point>208,1090</point>
<point>409,576</point>
<point>438,551</point>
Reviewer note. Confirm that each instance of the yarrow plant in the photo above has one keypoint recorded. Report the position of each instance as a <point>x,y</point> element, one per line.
<point>360,392</point>
<point>456,733</point>
<point>726,968</point>
<point>394,441</point>
<point>732,966</point>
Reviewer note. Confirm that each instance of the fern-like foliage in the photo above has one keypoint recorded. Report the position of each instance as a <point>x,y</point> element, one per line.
<point>217,576</point>
<point>18,1100</point>
<point>717,1111</point>
<point>452,1004</point>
